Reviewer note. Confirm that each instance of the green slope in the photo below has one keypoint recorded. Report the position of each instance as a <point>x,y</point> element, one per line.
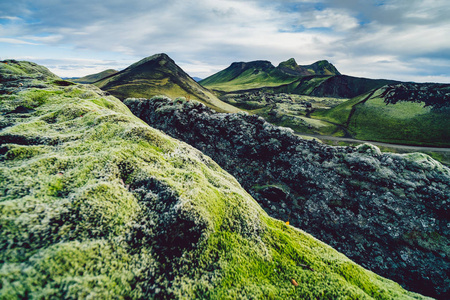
<point>320,79</point>
<point>95,77</point>
<point>258,74</point>
<point>369,117</point>
<point>96,204</point>
<point>159,75</point>
<point>243,76</point>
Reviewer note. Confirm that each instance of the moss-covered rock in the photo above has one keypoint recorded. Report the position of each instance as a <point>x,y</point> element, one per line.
<point>96,204</point>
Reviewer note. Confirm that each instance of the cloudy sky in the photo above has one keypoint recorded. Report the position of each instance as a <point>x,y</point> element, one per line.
<point>396,39</point>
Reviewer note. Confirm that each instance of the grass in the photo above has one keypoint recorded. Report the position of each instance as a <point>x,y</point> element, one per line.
<point>406,123</point>
<point>96,204</point>
<point>403,123</point>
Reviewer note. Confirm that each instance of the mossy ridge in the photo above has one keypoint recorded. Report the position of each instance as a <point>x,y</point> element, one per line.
<point>82,218</point>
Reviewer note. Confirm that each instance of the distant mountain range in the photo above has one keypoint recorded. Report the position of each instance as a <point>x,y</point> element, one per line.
<point>159,75</point>
<point>320,79</point>
<point>261,73</point>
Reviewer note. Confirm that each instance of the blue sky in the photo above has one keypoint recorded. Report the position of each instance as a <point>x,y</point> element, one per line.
<point>406,40</point>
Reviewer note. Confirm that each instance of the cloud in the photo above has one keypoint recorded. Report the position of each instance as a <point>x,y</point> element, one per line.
<point>15,41</point>
<point>209,34</point>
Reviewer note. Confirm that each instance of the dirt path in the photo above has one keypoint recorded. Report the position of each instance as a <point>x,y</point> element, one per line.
<point>396,146</point>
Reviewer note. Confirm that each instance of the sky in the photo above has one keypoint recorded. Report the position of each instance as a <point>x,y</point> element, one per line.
<point>406,40</point>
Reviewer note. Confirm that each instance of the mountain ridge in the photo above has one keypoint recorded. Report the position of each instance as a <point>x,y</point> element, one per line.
<point>260,73</point>
<point>159,75</point>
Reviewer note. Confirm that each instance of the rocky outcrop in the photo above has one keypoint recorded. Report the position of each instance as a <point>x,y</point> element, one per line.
<point>387,212</point>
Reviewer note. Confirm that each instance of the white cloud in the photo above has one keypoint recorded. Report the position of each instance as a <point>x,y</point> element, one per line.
<point>15,41</point>
<point>204,35</point>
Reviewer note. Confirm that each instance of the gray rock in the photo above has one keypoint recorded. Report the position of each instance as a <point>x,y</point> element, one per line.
<point>387,212</point>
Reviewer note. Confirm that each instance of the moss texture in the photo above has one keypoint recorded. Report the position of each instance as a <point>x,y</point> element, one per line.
<point>96,204</point>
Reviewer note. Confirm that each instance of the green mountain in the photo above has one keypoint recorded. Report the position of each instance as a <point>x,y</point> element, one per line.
<point>322,67</point>
<point>319,79</point>
<point>247,75</point>
<point>261,73</point>
<point>95,77</point>
<point>96,204</point>
<point>159,75</point>
<point>402,113</point>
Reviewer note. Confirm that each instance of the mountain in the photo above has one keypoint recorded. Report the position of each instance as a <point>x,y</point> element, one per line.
<point>322,67</point>
<point>257,74</point>
<point>96,204</point>
<point>400,113</point>
<point>382,210</point>
<point>197,79</point>
<point>95,77</point>
<point>159,75</point>
<point>247,75</point>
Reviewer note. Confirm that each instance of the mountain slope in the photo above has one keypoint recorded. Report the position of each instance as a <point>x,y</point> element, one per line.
<point>261,73</point>
<point>415,120</point>
<point>159,75</point>
<point>96,204</point>
<point>320,79</point>
<point>247,75</point>
<point>342,86</point>
<point>95,77</point>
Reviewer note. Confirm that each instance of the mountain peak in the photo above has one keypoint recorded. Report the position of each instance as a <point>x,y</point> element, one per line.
<point>257,64</point>
<point>161,57</point>
<point>289,63</point>
<point>321,67</point>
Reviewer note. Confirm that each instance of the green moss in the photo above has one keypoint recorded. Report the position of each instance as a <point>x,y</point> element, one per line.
<point>103,206</point>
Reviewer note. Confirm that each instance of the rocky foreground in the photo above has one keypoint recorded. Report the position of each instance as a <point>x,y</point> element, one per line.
<point>387,212</point>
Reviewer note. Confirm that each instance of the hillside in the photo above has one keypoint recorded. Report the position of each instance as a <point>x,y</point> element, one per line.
<point>416,114</point>
<point>96,204</point>
<point>385,211</point>
<point>247,75</point>
<point>159,75</point>
<point>257,74</point>
<point>95,77</point>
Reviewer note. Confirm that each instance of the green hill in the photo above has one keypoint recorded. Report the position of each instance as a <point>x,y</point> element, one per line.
<point>247,75</point>
<point>378,116</point>
<point>257,74</point>
<point>320,79</point>
<point>95,77</point>
<point>322,67</point>
<point>159,75</point>
<point>94,203</point>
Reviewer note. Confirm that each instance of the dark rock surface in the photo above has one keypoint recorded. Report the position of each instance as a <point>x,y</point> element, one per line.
<point>387,212</point>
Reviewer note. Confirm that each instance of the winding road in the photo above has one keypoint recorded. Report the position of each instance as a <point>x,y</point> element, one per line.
<point>396,146</point>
